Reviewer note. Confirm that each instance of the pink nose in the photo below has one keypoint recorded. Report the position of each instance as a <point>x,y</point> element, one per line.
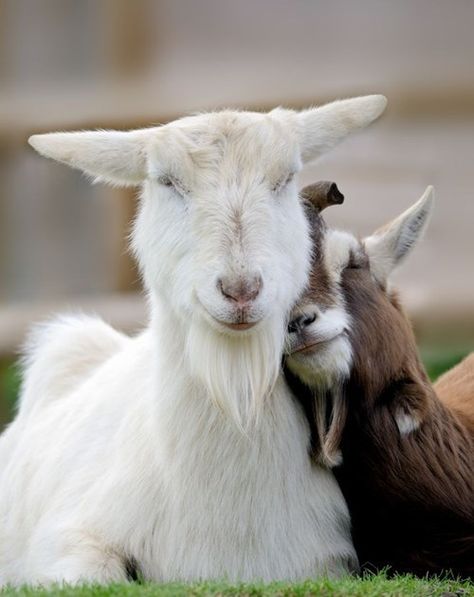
<point>241,290</point>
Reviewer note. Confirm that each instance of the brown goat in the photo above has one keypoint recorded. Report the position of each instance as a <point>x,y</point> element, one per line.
<point>404,459</point>
<point>456,389</point>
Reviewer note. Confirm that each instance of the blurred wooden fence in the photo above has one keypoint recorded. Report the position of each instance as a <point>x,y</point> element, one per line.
<point>115,63</point>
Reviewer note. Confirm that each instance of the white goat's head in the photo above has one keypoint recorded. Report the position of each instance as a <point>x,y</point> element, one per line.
<point>220,227</point>
<point>220,235</point>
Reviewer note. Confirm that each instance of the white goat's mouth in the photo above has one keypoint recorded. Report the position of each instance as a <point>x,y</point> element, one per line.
<point>241,323</point>
<point>235,326</point>
<point>239,326</point>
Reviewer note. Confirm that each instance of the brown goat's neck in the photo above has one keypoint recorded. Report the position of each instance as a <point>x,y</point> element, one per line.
<point>389,380</point>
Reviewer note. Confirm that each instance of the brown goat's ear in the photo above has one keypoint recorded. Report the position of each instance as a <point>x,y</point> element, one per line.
<point>389,245</point>
<point>322,194</point>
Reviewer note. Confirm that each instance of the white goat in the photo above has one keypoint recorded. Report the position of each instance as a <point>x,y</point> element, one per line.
<point>181,451</point>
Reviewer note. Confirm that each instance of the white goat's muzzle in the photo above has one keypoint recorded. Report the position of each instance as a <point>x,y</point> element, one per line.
<point>236,303</point>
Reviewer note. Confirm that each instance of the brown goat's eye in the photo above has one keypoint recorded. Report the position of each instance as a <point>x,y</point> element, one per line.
<point>165,181</point>
<point>353,265</point>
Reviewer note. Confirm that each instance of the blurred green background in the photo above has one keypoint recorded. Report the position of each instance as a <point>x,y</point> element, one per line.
<point>69,64</point>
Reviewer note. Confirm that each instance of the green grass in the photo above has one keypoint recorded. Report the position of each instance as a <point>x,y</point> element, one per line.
<point>11,385</point>
<point>9,388</point>
<point>367,586</point>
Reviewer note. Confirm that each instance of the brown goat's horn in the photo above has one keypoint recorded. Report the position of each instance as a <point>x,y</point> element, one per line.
<point>322,194</point>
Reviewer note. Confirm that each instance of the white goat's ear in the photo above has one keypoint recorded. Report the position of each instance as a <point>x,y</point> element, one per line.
<point>391,243</point>
<point>321,128</point>
<point>116,157</point>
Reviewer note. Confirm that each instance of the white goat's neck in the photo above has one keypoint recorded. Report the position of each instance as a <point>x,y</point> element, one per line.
<point>232,492</point>
<point>234,374</point>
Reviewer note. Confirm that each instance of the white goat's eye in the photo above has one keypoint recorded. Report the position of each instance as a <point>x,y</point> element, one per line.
<point>281,184</point>
<point>172,183</point>
<point>165,181</point>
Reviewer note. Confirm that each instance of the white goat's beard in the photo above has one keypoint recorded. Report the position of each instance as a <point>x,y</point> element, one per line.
<point>238,372</point>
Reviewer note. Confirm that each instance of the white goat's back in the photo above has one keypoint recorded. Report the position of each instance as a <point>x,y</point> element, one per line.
<point>62,353</point>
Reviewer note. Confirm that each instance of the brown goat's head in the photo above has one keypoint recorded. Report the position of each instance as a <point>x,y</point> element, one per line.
<point>348,324</point>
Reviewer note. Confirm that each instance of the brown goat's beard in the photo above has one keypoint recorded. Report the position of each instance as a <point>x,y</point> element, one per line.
<point>330,414</point>
<point>238,371</point>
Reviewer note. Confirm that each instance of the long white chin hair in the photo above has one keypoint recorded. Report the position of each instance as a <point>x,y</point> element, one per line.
<point>239,371</point>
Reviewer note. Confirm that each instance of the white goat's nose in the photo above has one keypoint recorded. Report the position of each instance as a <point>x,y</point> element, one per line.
<point>240,290</point>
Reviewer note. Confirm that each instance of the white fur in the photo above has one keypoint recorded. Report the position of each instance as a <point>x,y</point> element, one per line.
<point>338,245</point>
<point>326,366</point>
<point>75,344</point>
<point>134,447</point>
<point>167,479</point>
<point>336,120</point>
<point>406,423</point>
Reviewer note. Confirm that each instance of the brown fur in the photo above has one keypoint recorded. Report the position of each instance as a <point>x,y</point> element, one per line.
<point>322,194</point>
<point>317,197</point>
<point>411,498</point>
<point>456,390</point>
<point>414,494</point>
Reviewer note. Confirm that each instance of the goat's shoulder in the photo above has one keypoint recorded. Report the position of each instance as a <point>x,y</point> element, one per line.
<point>63,351</point>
